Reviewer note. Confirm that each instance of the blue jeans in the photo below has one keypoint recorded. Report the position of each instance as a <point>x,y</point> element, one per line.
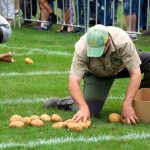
<point>104,13</point>
<point>51,2</point>
<point>143,16</point>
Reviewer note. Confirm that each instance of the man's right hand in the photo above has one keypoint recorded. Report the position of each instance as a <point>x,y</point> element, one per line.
<point>82,114</point>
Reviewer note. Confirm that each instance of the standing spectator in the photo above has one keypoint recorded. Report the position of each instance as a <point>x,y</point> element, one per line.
<point>143,16</point>
<point>114,6</point>
<point>26,6</point>
<point>44,4</point>
<point>16,7</point>
<point>81,16</point>
<point>104,13</point>
<point>7,7</point>
<point>67,14</point>
<point>130,8</point>
<point>44,19</point>
<point>147,32</point>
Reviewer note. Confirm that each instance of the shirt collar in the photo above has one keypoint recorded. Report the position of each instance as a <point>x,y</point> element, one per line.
<point>111,48</point>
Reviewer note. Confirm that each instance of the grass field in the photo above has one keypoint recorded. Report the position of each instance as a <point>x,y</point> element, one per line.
<point>24,88</point>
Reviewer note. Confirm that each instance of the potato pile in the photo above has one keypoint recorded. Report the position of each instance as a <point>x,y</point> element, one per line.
<point>72,125</point>
<point>17,121</point>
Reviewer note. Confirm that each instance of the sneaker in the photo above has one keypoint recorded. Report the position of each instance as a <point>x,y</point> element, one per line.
<point>147,32</point>
<point>133,36</point>
<point>39,28</point>
<point>64,103</point>
<point>77,30</point>
<point>26,24</point>
<point>16,13</point>
<point>50,23</point>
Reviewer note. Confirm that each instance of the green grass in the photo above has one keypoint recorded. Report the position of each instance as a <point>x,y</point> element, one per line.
<point>38,46</point>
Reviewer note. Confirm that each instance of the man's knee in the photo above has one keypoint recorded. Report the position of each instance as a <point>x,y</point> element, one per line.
<point>95,106</point>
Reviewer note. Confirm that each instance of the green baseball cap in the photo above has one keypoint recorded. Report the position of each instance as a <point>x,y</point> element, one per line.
<point>96,40</point>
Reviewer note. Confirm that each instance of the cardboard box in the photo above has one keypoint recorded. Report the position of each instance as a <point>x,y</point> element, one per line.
<point>141,104</point>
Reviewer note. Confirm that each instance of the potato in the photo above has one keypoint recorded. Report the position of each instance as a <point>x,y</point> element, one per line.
<point>45,117</point>
<point>68,121</point>
<point>37,123</point>
<point>16,124</point>
<point>27,120</point>
<point>59,125</point>
<point>16,118</point>
<point>74,126</point>
<point>85,124</point>
<point>33,117</point>
<point>28,61</point>
<point>56,118</point>
<point>114,118</point>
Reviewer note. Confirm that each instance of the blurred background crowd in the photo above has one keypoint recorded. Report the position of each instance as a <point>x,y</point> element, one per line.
<point>77,15</point>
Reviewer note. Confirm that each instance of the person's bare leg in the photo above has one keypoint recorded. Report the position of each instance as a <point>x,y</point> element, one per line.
<point>44,18</point>
<point>46,5</point>
<point>131,22</point>
<point>7,57</point>
<point>44,13</point>
<point>17,4</point>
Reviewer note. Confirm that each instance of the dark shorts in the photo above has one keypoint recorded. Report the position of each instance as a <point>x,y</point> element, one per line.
<point>130,7</point>
<point>63,4</point>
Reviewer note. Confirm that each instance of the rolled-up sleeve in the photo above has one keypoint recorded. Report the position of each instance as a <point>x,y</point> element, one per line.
<point>80,60</point>
<point>130,56</point>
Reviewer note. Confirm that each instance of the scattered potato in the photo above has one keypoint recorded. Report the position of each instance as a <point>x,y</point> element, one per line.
<point>28,61</point>
<point>45,117</point>
<point>16,118</point>
<point>27,120</point>
<point>33,117</point>
<point>74,126</point>
<point>56,118</point>
<point>59,125</point>
<point>114,117</point>
<point>37,123</point>
<point>16,124</point>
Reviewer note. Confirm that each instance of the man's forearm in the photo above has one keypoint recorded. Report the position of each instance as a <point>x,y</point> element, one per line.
<point>132,88</point>
<point>76,93</point>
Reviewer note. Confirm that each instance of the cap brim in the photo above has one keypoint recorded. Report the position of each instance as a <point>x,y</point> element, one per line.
<point>95,51</point>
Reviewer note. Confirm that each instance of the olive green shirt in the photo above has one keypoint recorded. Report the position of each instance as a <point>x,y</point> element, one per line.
<point>121,54</point>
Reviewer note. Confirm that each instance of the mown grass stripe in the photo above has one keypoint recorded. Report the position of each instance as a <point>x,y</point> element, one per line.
<point>43,51</point>
<point>37,100</point>
<point>63,140</point>
<point>34,73</point>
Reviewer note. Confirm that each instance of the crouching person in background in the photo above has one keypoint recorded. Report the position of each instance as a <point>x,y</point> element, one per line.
<point>5,34</point>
